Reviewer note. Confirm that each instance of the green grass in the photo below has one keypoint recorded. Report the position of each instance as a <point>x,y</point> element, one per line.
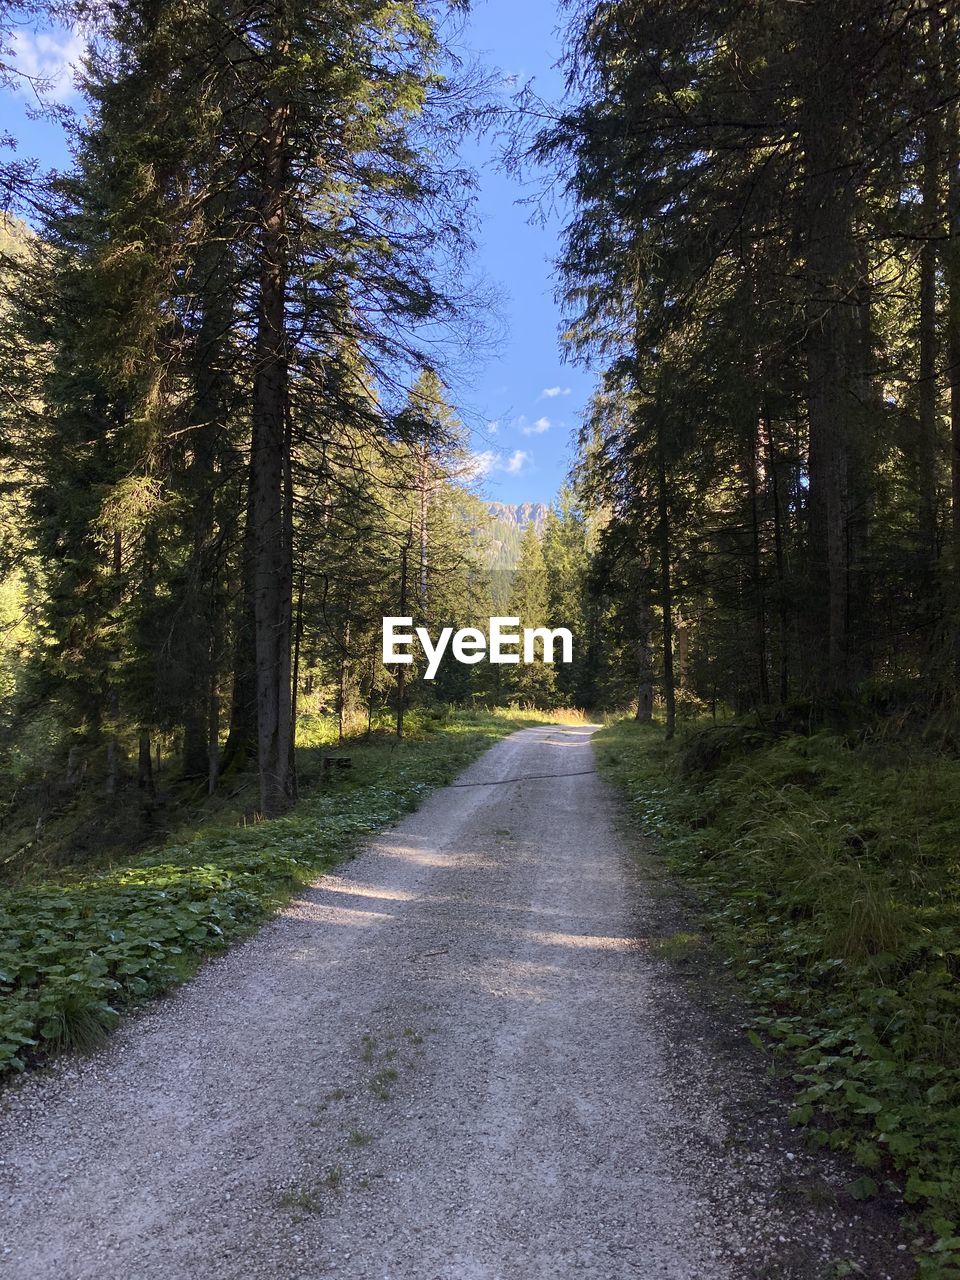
<point>830,876</point>
<point>76,950</point>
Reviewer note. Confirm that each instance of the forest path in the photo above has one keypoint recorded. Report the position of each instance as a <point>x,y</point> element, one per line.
<point>457,1059</point>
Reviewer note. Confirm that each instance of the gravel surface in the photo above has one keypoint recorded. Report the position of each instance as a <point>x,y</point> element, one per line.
<point>458,1059</point>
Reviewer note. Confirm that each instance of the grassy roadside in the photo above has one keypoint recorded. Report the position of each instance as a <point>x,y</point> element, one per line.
<point>78,949</point>
<point>830,879</point>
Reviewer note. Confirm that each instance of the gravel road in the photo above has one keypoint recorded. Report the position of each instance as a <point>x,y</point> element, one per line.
<point>458,1059</point>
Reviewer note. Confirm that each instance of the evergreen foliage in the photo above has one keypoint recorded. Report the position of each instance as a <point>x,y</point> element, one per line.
<point>763,261</point>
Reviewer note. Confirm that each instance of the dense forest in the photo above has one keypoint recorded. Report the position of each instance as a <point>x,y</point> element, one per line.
<point>229,443</point>
<point>764,263</point>
<point>229,449</point>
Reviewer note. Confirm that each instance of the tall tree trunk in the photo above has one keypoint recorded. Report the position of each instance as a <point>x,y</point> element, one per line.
<point>401,668</point>
<point>145,770</point>
<point>213,744</point>
<point>241,745</point>
<point>682,631</point>
<point>424,531</point>
<point>342,682</point>
<point>113,694</point>
<point>867,430</point>
<point>211,400</point>
<point>952,272</point>
<point>783,619</point>
<point>666,587</point>
<point>927,388</point>
<point>269,471</point>
<point>830,269</point>
<point>195,760</point>
<point>644,663</point>
<point>373,693</point>
<point>756,573</point>
<point>297,642</point>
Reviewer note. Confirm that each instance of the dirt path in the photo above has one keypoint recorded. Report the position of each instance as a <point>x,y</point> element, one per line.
<point>456,1060</point>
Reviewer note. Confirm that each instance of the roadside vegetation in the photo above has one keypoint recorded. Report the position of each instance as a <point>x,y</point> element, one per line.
<point>80,946</point>
<point>828,871</point>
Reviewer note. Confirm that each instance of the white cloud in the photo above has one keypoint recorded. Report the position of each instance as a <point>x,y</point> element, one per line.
<point>481,464</point>
<point>550,393</point>
<point>536,428</point>
<point>493,428</point>
<point>488,461</point>
<point>51,57</point>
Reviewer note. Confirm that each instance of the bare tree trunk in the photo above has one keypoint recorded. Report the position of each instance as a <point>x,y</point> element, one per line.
<point>682,632</point>
<point>756,573</point>
<point>830,280</point>
<point>209,410</point>
<point>195,740</point>
<point>241,744</point>
<point>424,533</point>
<point>76,766</point>
<point>783,621</point>
<point>861,474</point>
<point>927,388</point>
<point>269,471</point>
<point>952,271</point>
<point>373,693</point>
<point>644,662</point>
<point>145,769</point>
<point>213,747</point>
<point>297,643</point>
<point>666,587</point>
<point>342,683</point>
<point>401,669</point>
<point>113,696</point>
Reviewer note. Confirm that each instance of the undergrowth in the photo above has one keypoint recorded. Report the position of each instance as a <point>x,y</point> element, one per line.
<point>830,874</point>
<point>77,949</point>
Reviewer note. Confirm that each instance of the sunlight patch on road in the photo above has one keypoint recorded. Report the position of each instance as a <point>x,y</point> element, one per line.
<point>327,913</point>
<point>596,941</point>
<point>369,891</point>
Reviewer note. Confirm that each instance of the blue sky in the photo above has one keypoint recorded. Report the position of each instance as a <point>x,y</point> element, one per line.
<point>521,401</point>
<point>525,388</point>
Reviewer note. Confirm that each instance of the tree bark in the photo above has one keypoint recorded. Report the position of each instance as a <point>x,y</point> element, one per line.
<point>209,412</point>
<point>830,276</point>
<point>401,668</point>
<point>297,643</point>
<point>213,746</point>
<point>783,618</point>
<point>644,663</point>
<point>756,572</point>
<point>241,745</point>
<point>269,470</point>
<point>195,760</point>
<point>342,682</point>
<point>373,693</point>
<point>927,387</point>
<point>424,531</point>
<point>145,768</point>
<point>666,587</point>
<point>113,694</point>
<point>952,272</point>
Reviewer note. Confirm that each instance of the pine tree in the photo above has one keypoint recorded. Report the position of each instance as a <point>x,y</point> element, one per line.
<point>531,683</point>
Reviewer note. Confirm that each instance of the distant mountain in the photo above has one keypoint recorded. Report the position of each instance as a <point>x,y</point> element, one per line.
<point>504,536</point>
<point>520,514</point>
